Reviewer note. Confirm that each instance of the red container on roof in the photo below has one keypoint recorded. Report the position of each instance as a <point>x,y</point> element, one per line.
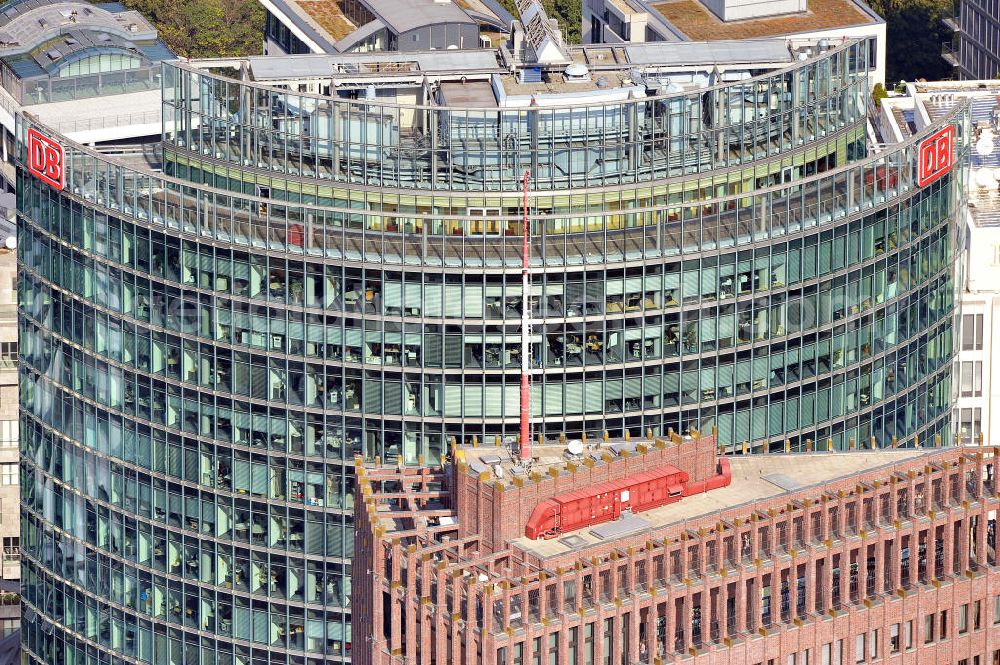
<point>606,502</point>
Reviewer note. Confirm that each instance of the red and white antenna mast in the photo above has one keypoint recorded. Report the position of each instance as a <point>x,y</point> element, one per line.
<point>525,331</point>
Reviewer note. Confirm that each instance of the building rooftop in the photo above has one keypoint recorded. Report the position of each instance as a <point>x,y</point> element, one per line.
<point>400,16</point>
<point>482,78</point>
<point>416,63</point>
<point>24,25</point>
<point>933,101</point>
<point>718,52</point>
<point>405,15</point>
<point>58,51</point>
<point>472,94</point>
<point>326,22</point>
<point>754,478</point>
<point>552,455</point>
<point>328,16</point>
<point>698,23</point>
<point>89,118</point>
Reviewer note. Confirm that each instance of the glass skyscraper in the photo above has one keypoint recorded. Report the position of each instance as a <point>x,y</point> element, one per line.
<point>331,267</point>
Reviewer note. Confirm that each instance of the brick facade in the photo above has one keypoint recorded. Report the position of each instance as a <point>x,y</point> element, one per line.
<point>497,512</point>
<point>898,560</point>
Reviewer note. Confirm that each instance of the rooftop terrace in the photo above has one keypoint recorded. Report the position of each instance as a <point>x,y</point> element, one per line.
<point>698,23</point>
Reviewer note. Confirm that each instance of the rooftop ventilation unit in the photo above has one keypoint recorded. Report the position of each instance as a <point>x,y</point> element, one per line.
<point>531,75</point>
<point>576,73</point>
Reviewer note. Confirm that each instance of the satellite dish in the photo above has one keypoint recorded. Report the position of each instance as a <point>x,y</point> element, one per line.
<point>483,577</point>
<point>984,146</point>
<point>10,242</point>
<point>984,178</point>
<point>575,447</point>
<point>498,470</point>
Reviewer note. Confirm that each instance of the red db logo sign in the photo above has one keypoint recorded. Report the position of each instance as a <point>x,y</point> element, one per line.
<point>935,155</point>
<point>45,159</point>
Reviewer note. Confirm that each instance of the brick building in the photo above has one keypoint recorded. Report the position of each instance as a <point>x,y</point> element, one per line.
<point>814,558</point>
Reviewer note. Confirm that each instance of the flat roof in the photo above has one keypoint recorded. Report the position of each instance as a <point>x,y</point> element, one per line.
<point>755,478</point>
<point>698,23</point>
<point>722,52</point>
<point>550,454</point>
<point>80,115</point>
<point>613,86</point>
<point>611,72</point>
<point>984,204</point>
<point>265,68</point>
<point>472,94</point>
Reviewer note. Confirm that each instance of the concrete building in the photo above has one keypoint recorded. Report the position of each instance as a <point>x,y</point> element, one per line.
<point>638,21</point>
<point>977,379</point>
<point>974,51</point>
<point>977,387</point>
<point>331,263</point>
<point>819,557</point>
<point>10,532</point>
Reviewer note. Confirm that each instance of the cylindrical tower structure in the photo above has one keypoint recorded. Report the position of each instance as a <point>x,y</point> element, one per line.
<point>204,350</point>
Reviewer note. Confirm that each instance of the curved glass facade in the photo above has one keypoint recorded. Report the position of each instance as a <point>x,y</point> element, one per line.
<point>204,351</point>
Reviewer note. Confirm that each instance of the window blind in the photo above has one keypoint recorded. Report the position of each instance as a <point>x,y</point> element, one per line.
<point>393,294</point>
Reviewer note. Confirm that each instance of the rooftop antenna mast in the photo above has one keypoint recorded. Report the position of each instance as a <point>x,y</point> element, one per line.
<point>525,452</point>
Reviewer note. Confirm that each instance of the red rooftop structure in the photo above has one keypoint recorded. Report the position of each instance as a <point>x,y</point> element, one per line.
<point>659,551</point>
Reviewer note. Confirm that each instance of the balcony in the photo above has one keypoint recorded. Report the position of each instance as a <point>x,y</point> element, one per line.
<point>950,53</point>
